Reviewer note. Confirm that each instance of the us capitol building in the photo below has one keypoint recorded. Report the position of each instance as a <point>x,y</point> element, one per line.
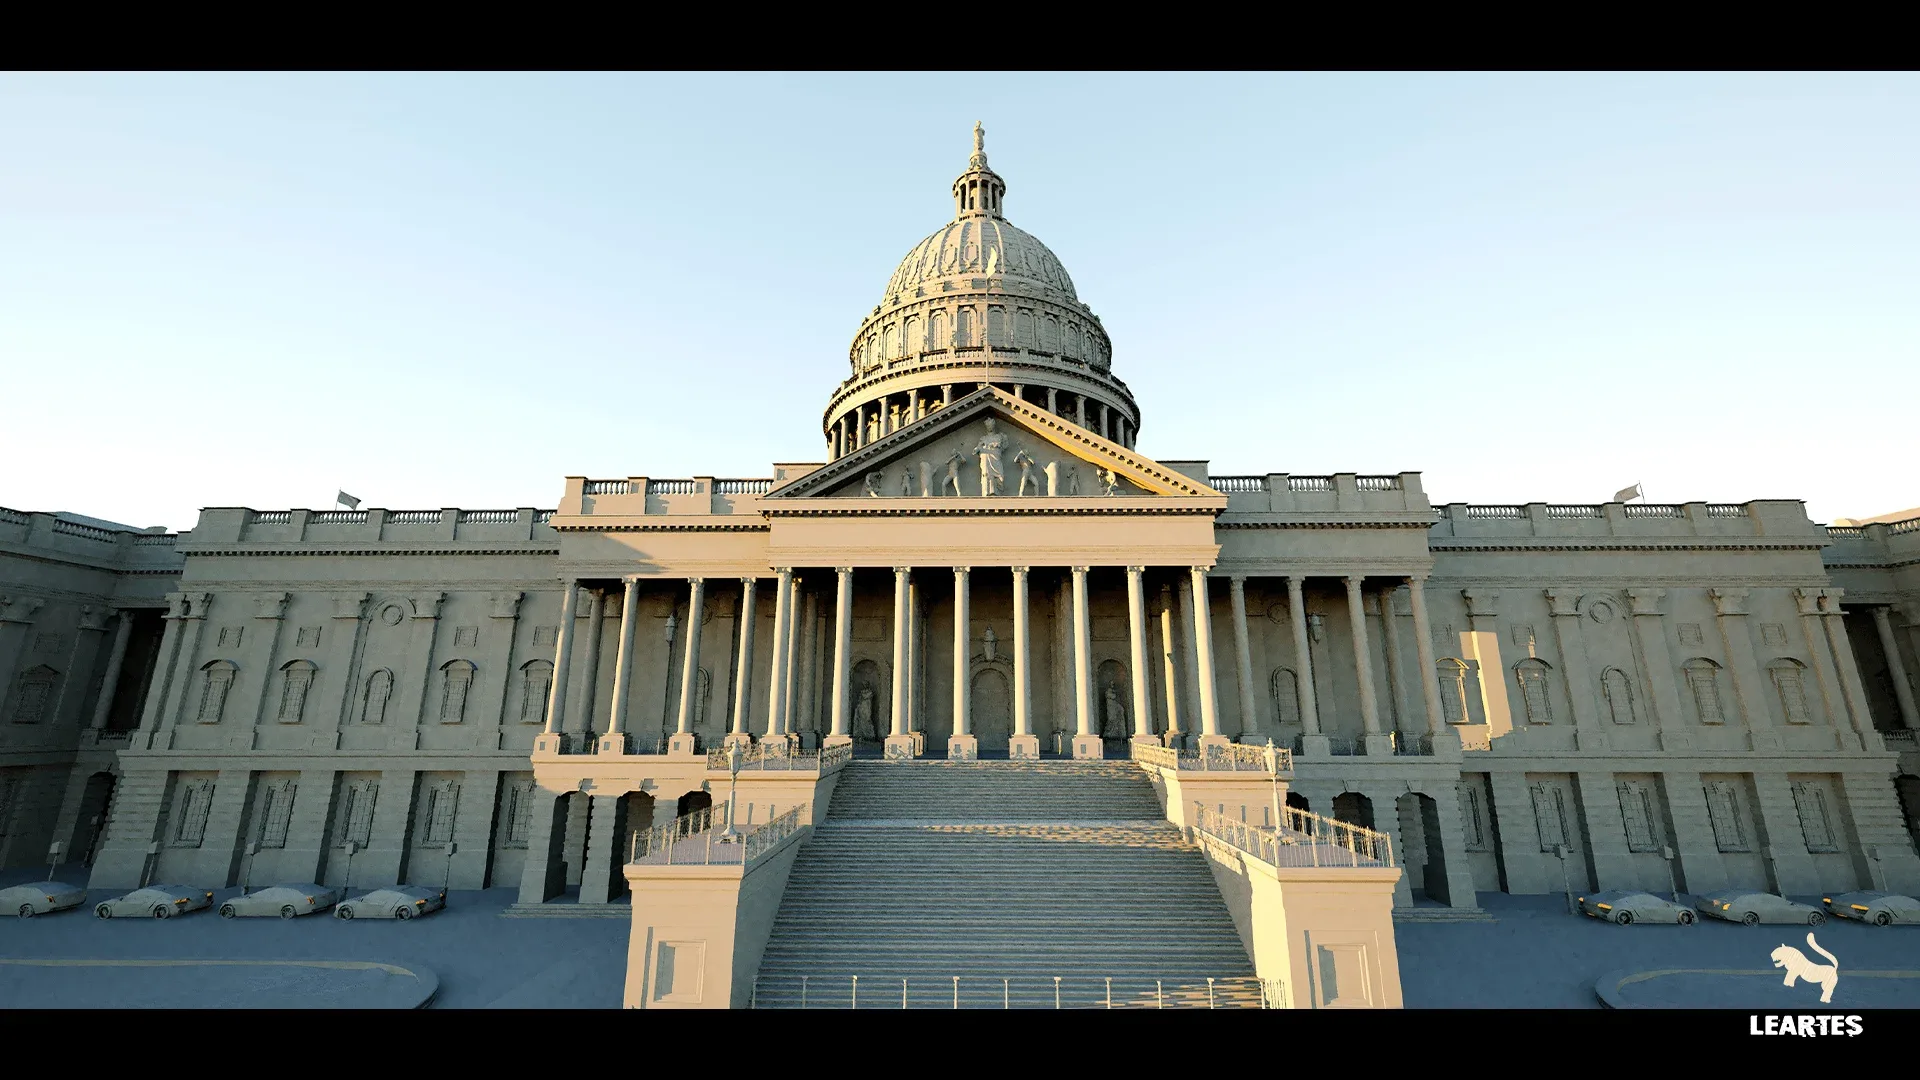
<point>983,566</point>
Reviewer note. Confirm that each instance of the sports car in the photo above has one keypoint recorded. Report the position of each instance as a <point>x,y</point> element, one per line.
<point>285,901</point>
<point>159,901</point>
<point>40,897</point>
<point>397,902</point>
<point>1754,908</point>
<point>1632,907</point>
<point>1878,908</point>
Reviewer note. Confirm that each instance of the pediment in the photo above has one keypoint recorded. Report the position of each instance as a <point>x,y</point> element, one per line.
<point>1036,454</point>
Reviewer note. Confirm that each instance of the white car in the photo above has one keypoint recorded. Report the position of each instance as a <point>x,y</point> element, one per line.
<point>1878,908</point>
<point>397,902</point>
<point>1754,908</point>
<point>40,897</point>
<point>1627,906</point>
<point>285,901</point>
<point>159,901</point>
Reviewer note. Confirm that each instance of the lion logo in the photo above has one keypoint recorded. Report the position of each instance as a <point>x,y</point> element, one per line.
<point>1798,968</point>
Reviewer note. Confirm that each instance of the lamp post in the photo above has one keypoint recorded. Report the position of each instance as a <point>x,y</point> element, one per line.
<point>666,704</point>
<point>1273,767</point>
<point>446,879</point>
<point>731,835</point>
<point>1673,885</point>
<point>53,858</point>
<point>349,847</point>
<point>246,876</point>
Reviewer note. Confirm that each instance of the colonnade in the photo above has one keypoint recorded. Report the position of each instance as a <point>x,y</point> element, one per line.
<point>873,420</point>
<point>1195,632</point>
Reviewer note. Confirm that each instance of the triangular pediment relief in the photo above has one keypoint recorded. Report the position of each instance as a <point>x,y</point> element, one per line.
<point>990,444</point>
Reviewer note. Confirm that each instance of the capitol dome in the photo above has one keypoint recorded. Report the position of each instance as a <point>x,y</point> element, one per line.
<point>978,303</point>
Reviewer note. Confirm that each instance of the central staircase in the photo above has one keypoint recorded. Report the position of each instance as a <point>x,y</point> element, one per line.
<point>1033,884</point>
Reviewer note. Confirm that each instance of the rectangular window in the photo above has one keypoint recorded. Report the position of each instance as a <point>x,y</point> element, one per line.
<point>1550,813</point>
<point>1815,823</point>
<point>193,804</point>
<point>1471,818</point>
<point>1723,810</point>
<point>356,810</point>
<point>519,814</point>
<point>1636,813</point>
<point>276,813</point>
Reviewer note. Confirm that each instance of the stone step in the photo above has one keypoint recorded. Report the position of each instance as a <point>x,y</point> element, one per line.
<point>568,910</point>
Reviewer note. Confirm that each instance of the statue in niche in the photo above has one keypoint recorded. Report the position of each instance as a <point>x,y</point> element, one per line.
<point>1026,463</point>
<point>1113,714</point>
<point>992,477</point>
<point>1053,477</point>
<point>875,484</point>
<point>926,478</point>
<point>953,473</point>
<point>863,715</point>
<point>989,645</point>
<point>906,481</point>
<point>1109,481</point>
<point>1073,480</point>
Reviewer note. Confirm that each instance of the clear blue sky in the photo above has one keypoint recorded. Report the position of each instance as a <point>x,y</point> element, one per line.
<point>454,290</point>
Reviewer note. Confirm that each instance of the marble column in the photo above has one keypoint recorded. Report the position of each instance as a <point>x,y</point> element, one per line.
<point>1896,667</point>
<point>1189,664</point>
<point>1562,609</point>
<point>1303,667</point>
<point>915,651</point>
<point>1390,656</point>
<point>551,741</point>
<point>588,660</point>
<point>1137,633</point>
<point>743,666</point>
<point>807,684</point>
<point>1423,652</point>
<point>1024,745</point>
<point>899,743</point>
<point>1730,605</point>
<point>1203,658</point>
<point>1657,662</point>
<point>336,675</point>
<point>1814,634</point>
<point>192,613</point>
<point>1169,666</point>
<point>777,672</point>
<point>682,741</point>
<point>115,660</point>
<point>790,670</point>
<point>962,746</point>
<point>1851,688</point>
<point>842,670</point>
<point>1377,743</point>
<point>1243,656</point>
<point>1086,741</point>
<point>615,740</point>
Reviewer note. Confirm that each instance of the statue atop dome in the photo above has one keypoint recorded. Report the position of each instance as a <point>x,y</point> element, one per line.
<point>979,144</point>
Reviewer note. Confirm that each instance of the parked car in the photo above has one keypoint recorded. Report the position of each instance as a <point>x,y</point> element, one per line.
<point>1878,908</point>
<point>159,901</point>
<point>1754,908</point>
<point>285,901</point>
<point>1631,907</point>
<point>40,897</point>
<point>398,902</point>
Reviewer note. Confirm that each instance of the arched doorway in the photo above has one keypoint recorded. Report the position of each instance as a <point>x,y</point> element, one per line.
<point>1421,854</point>
<point>992,705</point>
<point>692,803</point>
<point>1354,809</point>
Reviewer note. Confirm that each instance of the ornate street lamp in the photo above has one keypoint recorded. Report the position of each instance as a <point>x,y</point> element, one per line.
<point>731,835</point>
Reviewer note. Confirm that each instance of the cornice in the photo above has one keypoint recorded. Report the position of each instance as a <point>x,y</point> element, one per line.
<point>1355,521</point>
<point>276,550</point>
<point>1022,507</point>
<point>631,523</point>
<point>1627,581</point>
<point>1691,543</point>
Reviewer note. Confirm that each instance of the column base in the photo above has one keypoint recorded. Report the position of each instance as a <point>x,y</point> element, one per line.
<point>1024,748</point>
<point>550,743</point>
<point>832,741</point>
<point>963,748</point>
<point>1446,745</point>
<point>1765,741</point>
<point>1089,748</point>
<point>902,748</point>
<point>1146,740</point>
<point>683,745</point>
<point>782,743</point>
<point>1676,740</point>
<point>919,743</point>
<point>1209,741</point>
<point>1316,746</point>
<point>1380,745</point>
<point>738,738</point>
<point>1871,742</point>
<point>1589,739</point>
<point>613,743</point>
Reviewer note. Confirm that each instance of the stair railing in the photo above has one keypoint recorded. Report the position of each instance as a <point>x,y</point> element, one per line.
<point>1210,993</point>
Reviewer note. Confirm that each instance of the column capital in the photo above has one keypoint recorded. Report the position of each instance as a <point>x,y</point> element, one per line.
<point>783,571</point>
<point>1561,603</point>
<point>1882,614</point>
<point>1353,581</point>
<point>1729,601</point>
<point>1238,581</point>
<point>844,571</point>
<point>749,581</point>
<point>1136,570</point>
<point>1808,601</point>
<point>1646,601</point>
<point>631,581</point>
<point>696,580</point>
<point>1018,569</point>
<point>961,570</point>
<point>1201,570</point>
<point>1830,600</point>
<point>902,571</point>
<point>1080,571</point>
<point>1414,580</point>
<point>1295,583</point>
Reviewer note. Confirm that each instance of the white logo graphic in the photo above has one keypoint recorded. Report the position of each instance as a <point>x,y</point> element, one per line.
<point>1825,976</point>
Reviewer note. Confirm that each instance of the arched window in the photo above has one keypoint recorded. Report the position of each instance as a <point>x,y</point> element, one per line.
<point>32,693</point>
<point>1532,673</point>
<point>1050,335</point>
<point>1790,682</point>
<point>1284,687</point>
<point>997,334</point>
<point>910,339</point>
<point>1023,329</point>
<point>937,337</point>
<point>458,682</point>
<point>296,678</point>
<point>374,697</point>
<point>889,343</point>
<point>1071,346</point>
<point>963,328</point>
<point>536,680</point>
<point>1703,679</point>
<point>216,680</point>
<point>1453,689</point>
<point>1618,690</point>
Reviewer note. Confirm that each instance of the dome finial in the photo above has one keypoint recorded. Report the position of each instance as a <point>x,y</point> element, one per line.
<point>979,144</point>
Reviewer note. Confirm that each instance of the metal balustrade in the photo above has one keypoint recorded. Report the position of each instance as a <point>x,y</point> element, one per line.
<point>706,838</point>
<point>1014,992</point>
<point>779,756</point>
<point>1232,757</point>
<point>1307,839</point>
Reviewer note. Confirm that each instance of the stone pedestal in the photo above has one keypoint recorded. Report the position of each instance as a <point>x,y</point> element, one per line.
<point>687,745</point>
<point>1316,746</point>
<point>1207,741</point>
<point>549,743</point>
<point>1024,748</point>
<point>613,744</point>
<point>1446,746</point>
<point>832,741</point>
<point>1380,745</point>
<point>963,748</point>
<point>1089,748</point>
<point>902,748</point>
<point>1146,740</point>
<point>919,743</point>
<point>737,738</point>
